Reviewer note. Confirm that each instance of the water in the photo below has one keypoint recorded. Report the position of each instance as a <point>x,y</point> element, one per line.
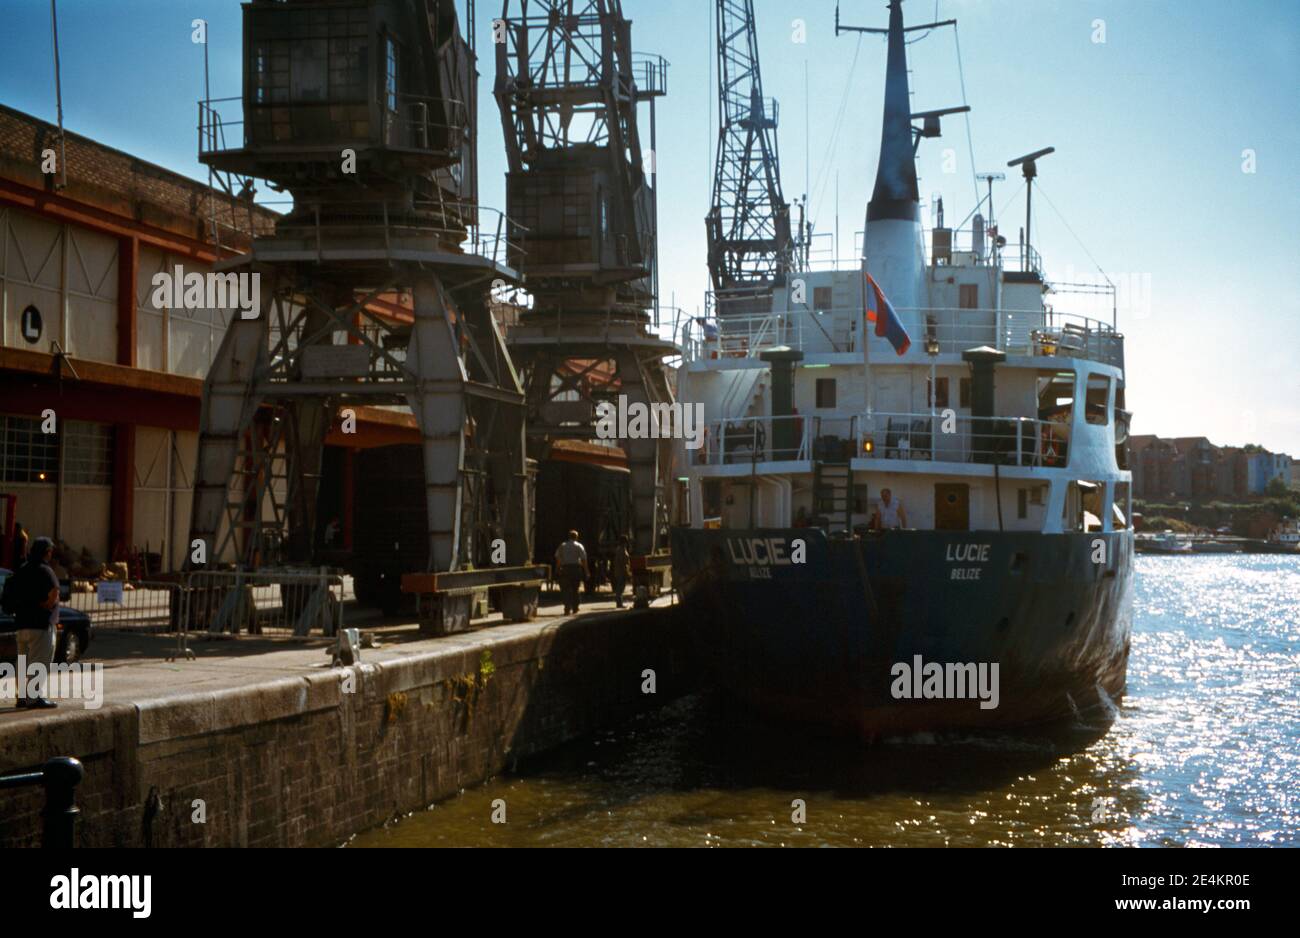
<point>1203,751</point>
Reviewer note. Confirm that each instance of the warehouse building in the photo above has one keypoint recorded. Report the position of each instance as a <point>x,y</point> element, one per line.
<point>100,389</point>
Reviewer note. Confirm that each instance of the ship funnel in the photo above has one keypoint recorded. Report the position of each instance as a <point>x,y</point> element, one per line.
<point>896,196</point>
<point>892,245</point>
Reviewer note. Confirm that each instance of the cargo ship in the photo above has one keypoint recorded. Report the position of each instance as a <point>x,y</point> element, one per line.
<point>992,587</point>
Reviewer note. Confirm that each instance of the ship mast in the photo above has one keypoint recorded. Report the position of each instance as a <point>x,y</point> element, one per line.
<point>892,246</point>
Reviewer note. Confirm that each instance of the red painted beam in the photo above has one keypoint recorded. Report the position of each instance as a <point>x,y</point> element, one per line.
<point>128,269</point>
<point>76,400</point>
<point>66,210</point>
<point>121,526</point>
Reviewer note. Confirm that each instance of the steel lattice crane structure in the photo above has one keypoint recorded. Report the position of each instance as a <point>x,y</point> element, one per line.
<point>568,87</point>
<point>362,110</point>
<point>751,245</point>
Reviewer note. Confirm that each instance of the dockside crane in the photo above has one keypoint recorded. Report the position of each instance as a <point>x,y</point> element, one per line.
<point>568,87</point>
<point>362,112</point>
<point>752,248</point>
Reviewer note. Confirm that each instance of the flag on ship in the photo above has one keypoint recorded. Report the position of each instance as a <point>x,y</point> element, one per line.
<point>878,310</point>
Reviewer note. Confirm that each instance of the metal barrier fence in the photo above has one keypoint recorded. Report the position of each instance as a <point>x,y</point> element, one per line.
<point>136,607</point>
<point>264,602</point>
<point>293,602</point>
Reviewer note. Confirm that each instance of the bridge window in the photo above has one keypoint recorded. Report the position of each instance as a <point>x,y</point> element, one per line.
<point>1098,410</point>
<point>823,299</point>
<point>1056,397</point>
<point>970,296</point>
<point>1083,506</point>
<point>1121,508</point>
<point>826,395</point>
<point>938,395</point>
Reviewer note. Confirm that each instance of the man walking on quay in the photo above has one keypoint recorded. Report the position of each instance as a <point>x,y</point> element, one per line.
<point>571,570</point>
<point>32,596</point>
<point>621,571</point>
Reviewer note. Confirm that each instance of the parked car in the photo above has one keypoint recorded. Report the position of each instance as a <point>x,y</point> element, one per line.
<point>75,629</point>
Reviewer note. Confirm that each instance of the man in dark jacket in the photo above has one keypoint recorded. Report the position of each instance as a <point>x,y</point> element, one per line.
<point>36,615</point>
<point>621,570</point>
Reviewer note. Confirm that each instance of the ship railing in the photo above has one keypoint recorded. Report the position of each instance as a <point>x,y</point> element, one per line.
<point>743,336</point>
<point>1068,335</point>
<point>940,437</point>
<point>943,330</point>
<point>752,440</point>
<point>1005,441</point>
<point>951,331</point>
<point>966,243</point>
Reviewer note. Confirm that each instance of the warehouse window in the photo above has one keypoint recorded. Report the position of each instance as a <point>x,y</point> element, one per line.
<point>27,454</point>
<point>87,453</point>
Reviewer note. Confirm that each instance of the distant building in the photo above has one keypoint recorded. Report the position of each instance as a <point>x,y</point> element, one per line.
<point>1193,467</point>
<point>1282,467</point>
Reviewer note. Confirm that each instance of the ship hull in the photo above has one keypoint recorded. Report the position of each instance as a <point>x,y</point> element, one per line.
<point>822,641</point>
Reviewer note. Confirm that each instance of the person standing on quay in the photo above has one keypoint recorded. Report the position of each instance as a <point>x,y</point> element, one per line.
<point>622,569</point>
<point>571,571</point>
<point>19,545</point>
<point>34,598</point>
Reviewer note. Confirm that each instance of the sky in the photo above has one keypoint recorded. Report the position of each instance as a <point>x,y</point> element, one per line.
<point>1176,125</point>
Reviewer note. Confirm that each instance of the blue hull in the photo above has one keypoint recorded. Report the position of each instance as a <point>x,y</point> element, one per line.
<point>821,640</point>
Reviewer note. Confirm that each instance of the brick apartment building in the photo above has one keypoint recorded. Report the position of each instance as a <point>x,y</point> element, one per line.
<point>1193,467</point>
<point>80,336</point>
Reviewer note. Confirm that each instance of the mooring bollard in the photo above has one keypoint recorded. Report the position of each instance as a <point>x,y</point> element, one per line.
<point>60,778</point>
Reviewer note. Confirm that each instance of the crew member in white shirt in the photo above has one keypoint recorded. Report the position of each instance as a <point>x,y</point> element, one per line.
<point>571,570</point>
<point>890,513</point>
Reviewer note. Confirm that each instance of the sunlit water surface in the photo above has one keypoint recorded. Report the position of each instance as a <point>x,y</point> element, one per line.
<point>1205,751</point>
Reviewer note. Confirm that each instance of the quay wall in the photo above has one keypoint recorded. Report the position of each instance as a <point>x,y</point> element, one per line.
<point>312,760</point>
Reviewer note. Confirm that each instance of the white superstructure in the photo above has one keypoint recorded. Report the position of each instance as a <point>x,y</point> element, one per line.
<point>1002,415</point>
<point>1051,440</point>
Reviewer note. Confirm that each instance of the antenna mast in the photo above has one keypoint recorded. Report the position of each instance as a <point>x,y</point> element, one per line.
<point>58,95</point>
<point>1030,168</point>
